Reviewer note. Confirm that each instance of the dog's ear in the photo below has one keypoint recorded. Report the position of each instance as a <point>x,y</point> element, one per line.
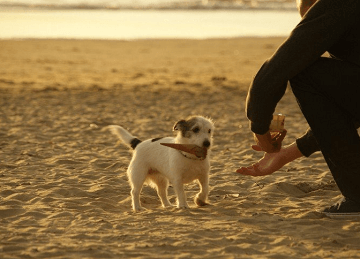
<point>180,125</point>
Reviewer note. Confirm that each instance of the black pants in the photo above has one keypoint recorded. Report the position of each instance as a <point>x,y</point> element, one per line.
<point>328,93</point>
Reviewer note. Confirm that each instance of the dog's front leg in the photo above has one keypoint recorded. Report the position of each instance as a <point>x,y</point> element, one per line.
<point>201,197</point>
<point>181,196</point>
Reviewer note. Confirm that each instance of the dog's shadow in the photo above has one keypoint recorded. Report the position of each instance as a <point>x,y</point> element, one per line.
<point>151,202</point>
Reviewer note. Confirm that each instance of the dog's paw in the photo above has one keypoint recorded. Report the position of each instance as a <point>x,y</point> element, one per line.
<point>185,207</point>
<point>168,206</point>
<point>139,209</point>
<point>200,202</point>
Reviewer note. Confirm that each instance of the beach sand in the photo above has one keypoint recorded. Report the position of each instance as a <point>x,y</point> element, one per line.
<point>63,186</point>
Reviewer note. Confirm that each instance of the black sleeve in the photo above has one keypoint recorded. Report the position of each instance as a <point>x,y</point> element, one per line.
<point>322,26</point>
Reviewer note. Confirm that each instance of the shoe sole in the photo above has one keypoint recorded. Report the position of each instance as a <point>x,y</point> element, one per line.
<point>342,215</point>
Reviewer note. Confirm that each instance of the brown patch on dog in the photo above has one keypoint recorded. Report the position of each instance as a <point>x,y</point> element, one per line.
<point>185,125</point>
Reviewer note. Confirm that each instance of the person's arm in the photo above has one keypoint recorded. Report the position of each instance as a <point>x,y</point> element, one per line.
<point>322,26</point>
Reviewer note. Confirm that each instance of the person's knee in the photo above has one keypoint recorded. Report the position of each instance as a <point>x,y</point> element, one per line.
<point>309,79</point>
<point>300,82</point>
<point>297,81</point>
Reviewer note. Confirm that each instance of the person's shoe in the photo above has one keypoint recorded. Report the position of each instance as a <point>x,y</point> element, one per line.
<point>343,208</point>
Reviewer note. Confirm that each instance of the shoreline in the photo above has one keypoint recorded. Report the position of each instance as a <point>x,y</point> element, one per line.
<point>149,24</point>
<point>186,6</point>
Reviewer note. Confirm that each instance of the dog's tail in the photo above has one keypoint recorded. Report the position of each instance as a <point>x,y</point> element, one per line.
<point>124,136</point>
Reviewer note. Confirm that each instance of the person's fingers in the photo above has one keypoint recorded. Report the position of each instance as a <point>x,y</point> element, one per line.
<point>275,135</point>
<point>281,135</point>
<point>251,170</point>
<point>277,140</point>
<point>256,147</point>
<point>245,171</point>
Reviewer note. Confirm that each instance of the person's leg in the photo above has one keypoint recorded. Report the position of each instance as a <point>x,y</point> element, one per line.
<point>328,93</point>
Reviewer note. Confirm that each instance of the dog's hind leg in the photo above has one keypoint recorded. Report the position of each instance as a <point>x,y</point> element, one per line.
<point>201,197</point>
<point>137,176</point>
<point>162,185</point>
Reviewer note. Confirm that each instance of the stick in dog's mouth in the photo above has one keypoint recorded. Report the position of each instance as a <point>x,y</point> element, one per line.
<point>199,152</point>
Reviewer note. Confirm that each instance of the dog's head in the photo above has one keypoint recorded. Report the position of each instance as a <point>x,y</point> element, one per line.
<point>195,130</point>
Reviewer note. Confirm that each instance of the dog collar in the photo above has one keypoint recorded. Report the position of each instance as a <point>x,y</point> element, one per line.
<point>193,158</point>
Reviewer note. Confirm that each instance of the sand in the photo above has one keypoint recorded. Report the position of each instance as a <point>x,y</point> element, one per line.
<point>63,187</point>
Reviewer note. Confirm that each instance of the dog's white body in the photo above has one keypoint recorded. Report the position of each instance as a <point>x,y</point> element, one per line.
<point>156,164</point>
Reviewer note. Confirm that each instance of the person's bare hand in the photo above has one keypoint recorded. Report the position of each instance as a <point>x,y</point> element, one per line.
<point>271,162</point>
<point>269,142</point>
<point>253,171</point>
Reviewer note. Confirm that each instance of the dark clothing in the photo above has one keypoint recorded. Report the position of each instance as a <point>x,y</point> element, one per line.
<point>330,25</point>
<point>327,89</point>
<point>307,144</point>
<point>328,93</point>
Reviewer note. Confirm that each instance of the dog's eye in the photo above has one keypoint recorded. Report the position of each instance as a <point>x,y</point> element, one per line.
<point>209,131</point>
<point>196,130</point>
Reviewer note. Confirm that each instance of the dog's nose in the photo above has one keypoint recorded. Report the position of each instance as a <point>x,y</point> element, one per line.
<point>206,143</point>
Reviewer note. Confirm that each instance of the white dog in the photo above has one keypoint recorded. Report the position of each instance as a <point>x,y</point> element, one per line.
<point>156,164</point>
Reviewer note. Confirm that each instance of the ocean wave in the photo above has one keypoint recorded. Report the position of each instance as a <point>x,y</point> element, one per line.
<point>144,4</point>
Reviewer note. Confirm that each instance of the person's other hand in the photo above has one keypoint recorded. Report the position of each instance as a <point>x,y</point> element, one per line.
<point>269,142</point>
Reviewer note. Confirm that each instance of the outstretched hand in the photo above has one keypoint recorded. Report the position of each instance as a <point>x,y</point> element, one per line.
<point>253,170</point>
<point>271,161</point>
<point>264,166</point>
